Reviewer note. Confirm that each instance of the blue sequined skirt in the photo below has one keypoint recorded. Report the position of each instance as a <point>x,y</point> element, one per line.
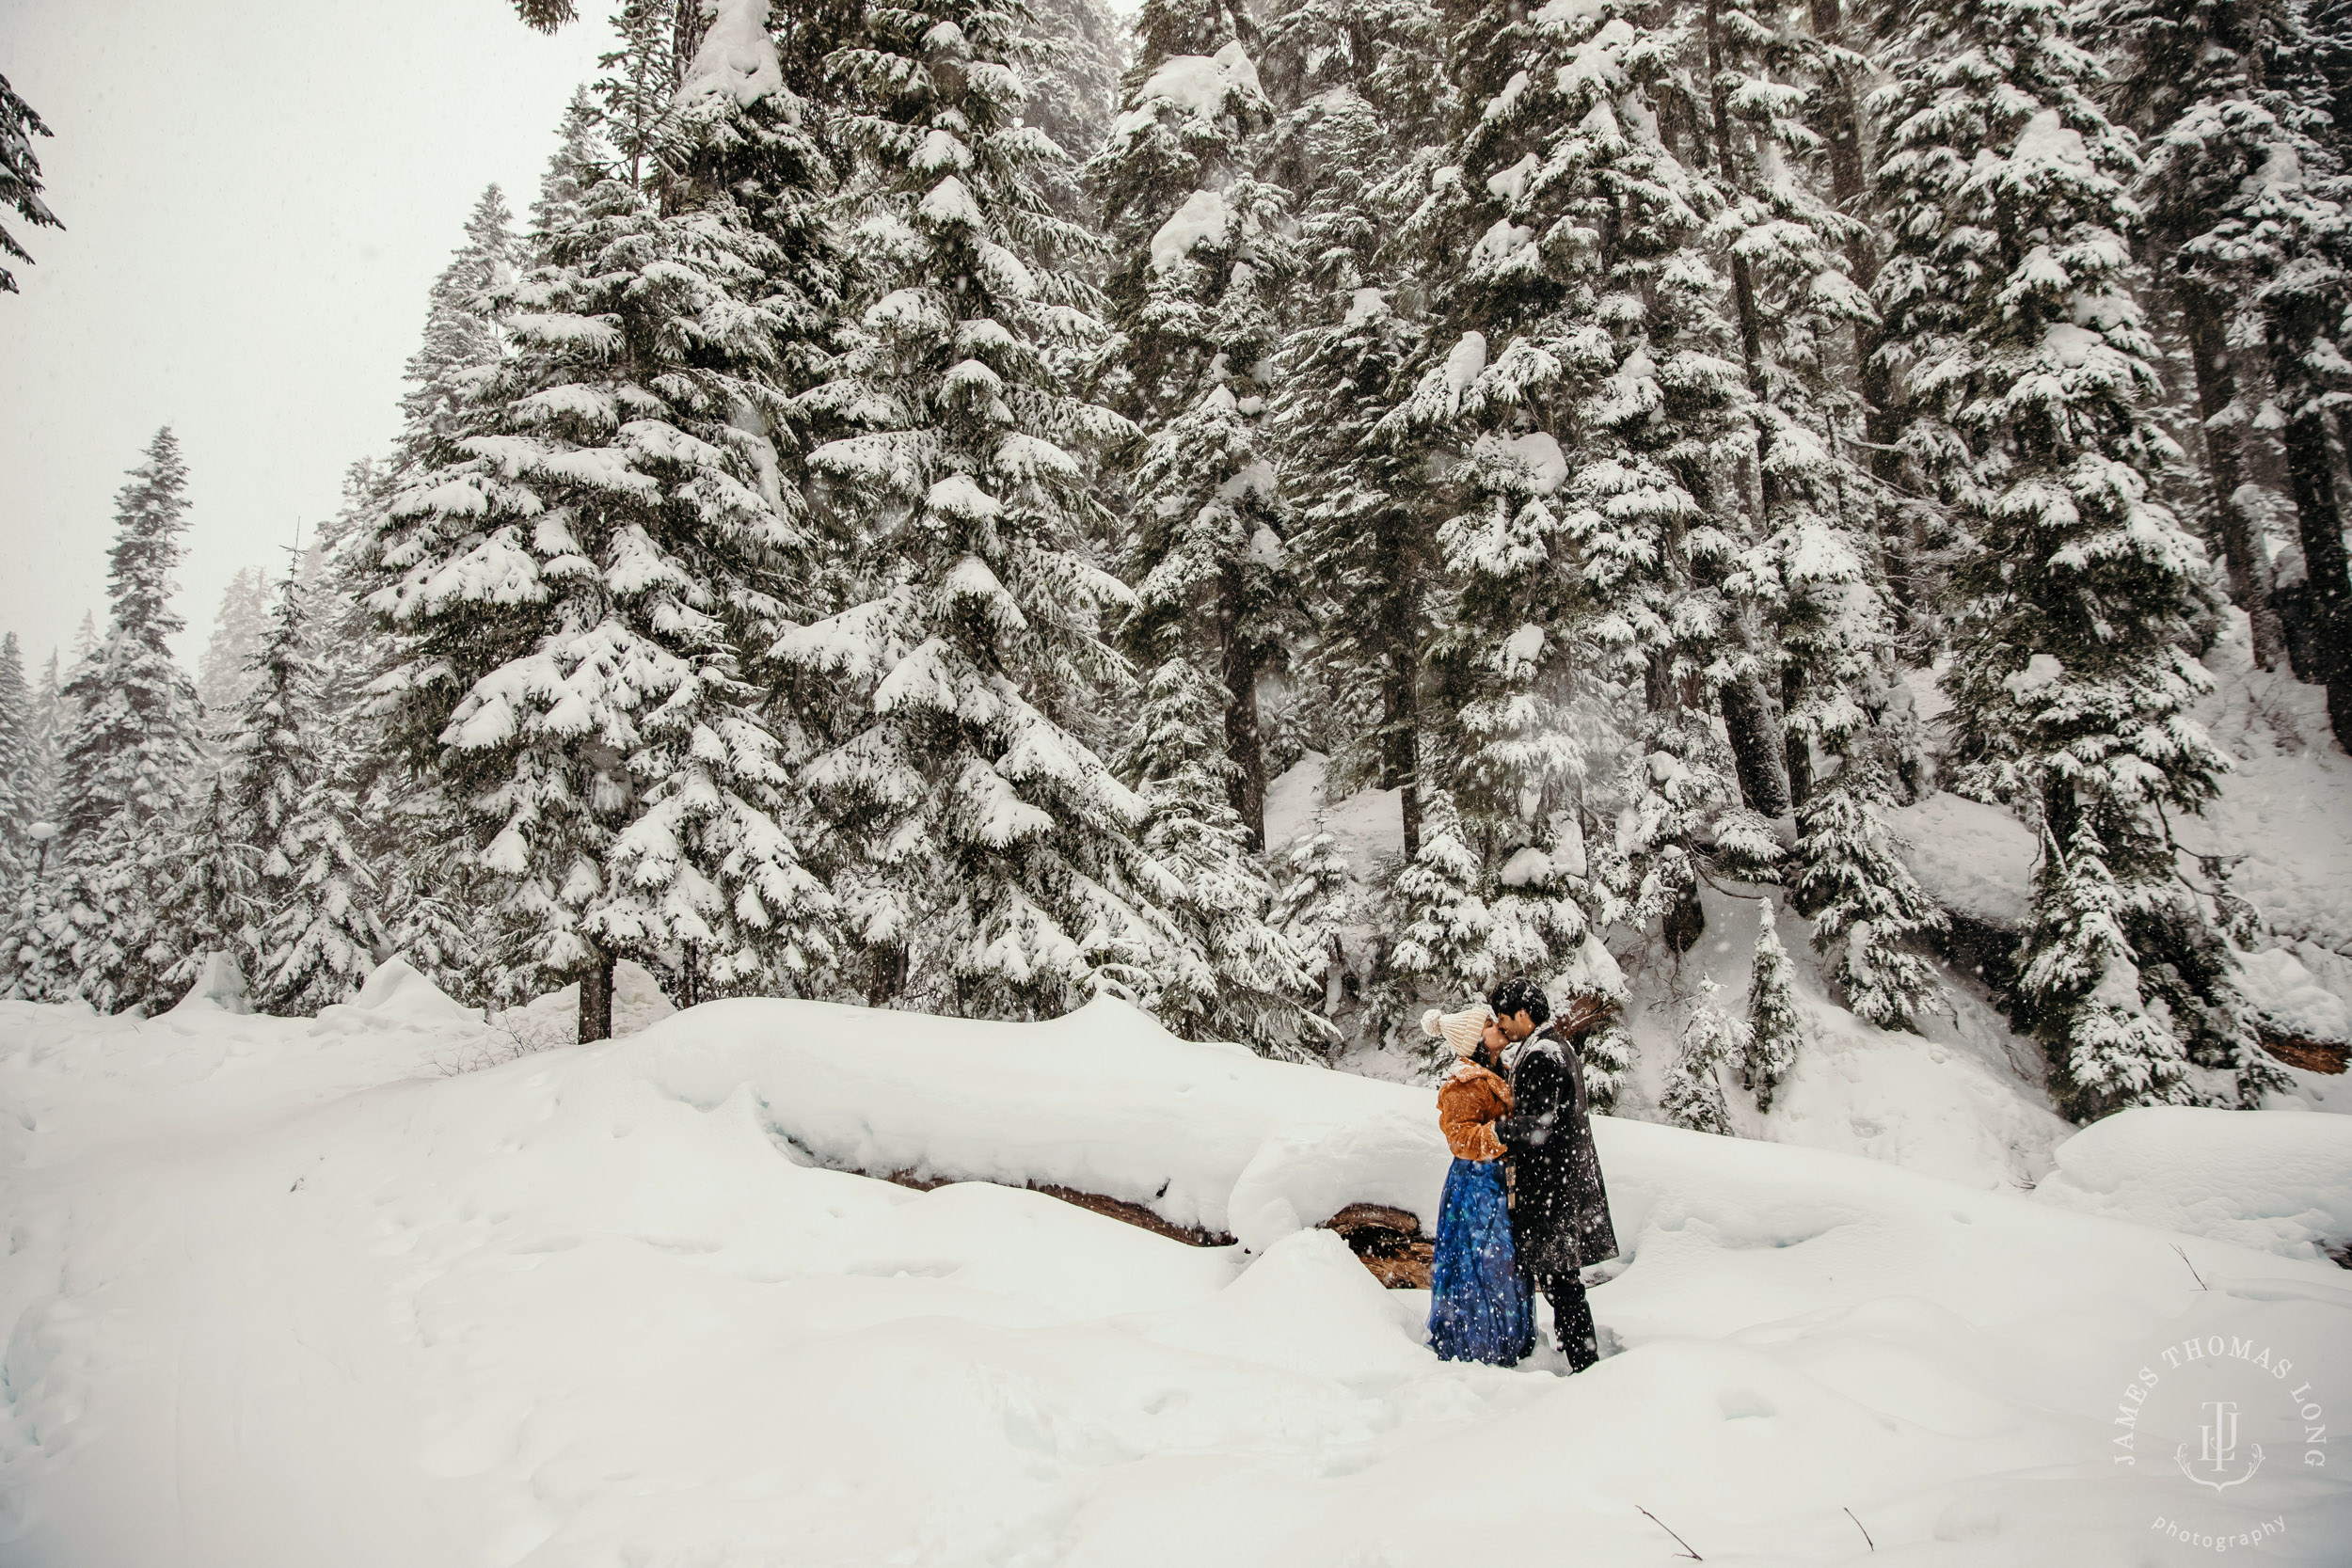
<point>1480,1308</point>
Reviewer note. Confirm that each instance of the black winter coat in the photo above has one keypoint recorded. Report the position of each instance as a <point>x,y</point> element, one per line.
<point>1559,1209</point>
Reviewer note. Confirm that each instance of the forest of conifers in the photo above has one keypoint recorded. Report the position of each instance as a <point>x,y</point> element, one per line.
<point>876,525</point>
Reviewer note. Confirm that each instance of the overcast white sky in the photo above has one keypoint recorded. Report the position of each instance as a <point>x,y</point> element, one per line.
<point>257,195</point>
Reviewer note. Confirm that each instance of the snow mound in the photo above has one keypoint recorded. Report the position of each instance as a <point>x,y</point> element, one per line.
<point>2292,999</point>
<point>1975,860</point>
<point>2277,1180</point>
<point>398,991</point>
<point>219,984</point>
<point>1206,1137</point>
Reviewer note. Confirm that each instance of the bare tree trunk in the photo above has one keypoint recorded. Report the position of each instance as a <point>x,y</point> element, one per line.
<point>2241,545</point>
<point>595,997</point>
<point>2312,472</point>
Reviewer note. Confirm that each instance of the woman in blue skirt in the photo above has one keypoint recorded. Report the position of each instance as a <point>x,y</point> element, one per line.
<point>1478,1306</point>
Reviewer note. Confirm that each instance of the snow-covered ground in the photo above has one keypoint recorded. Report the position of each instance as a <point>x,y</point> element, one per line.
<point>288,1293</point>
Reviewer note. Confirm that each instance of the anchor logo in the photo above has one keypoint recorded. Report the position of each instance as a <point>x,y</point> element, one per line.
<point>2219,1449</point>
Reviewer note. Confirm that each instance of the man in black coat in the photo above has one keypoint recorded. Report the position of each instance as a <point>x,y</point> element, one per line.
<point>1559,1209</point>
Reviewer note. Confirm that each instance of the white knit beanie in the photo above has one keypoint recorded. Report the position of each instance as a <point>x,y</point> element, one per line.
<point>1464,1031</point>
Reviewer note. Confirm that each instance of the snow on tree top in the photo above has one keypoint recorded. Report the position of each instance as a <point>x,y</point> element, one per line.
<point>736,59</point>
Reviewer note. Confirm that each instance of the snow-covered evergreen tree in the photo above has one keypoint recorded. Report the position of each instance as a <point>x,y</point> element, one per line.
<point>1198,264</point>
<point>1870,913</point>
<point>1253,984</point>
<point>2008,288</point>
<point>209,902</point>
<point>1445,948</point>
<point>1314,904</point>
<point>999,872</point>
<point>1362,92</point>
<point>1070,58</point>
<point>1775,1030</point>
<point>19,765</point>
<point>129,764</point>
<point>1709,1040</point>
<point>316,933</point>
<point>461,329</point>
<point>582,157</point>
<point>577,580</point>
<point>2085,992</point>
<point>1363,544</point>
<point>20,176</point>
<point>225,675</point>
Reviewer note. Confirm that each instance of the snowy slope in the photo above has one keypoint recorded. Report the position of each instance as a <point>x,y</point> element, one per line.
<point>282,1294</point>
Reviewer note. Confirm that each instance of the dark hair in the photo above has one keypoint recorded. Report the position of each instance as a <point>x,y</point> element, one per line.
<point>1520,995</point>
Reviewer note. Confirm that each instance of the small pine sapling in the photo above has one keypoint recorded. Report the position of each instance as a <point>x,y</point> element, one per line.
<point>1775,1030</point>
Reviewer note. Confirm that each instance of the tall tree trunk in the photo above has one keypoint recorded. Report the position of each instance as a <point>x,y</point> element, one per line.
<point>1398,733</point>
<point>1757,746</point>
<point>596,996</point>
<point>2312,472</point>
<point>1244,744</point>
<point>2201,312</point>
<point>1757,754</point>
<point>1840,126</point>
<point>1800,748</point>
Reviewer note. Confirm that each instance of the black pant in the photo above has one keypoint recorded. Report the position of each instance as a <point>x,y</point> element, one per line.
<point>1571,1317</point>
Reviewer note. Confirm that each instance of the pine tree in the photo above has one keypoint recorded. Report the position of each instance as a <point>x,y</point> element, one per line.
<point>1608,1052</point>
<point>1314,904</point>
<point>1195,285</point>
<point>1709,1040</point>
<point>1445,949</point>
<point>19,765</point>
<point>1588,376</point>
<point>316,933</point>
<point>1070,59</point>
<point>1869,912</point>
<point>224,675</point>
<point>998,872</point>
<point>582,157</point>
<point>20,176</point>
<point>2032,369</point>
<point>462,337</point>
<point>1775,1030</point>
<point>47,726</point>
<point>2084,987</point>
<point>210,902</point>
<point>129,762</point>
<point>577,580</point>
<point>1251,985</point>
<point>2229,148</point>
<point>1361,93</point>
<point>1367,558</point>
<point>639,86</point>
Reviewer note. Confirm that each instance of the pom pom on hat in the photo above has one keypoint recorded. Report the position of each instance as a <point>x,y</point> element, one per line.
<point>1463,1031</point>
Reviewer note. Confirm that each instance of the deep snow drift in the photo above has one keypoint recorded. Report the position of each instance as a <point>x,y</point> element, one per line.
<point>286,1294</point>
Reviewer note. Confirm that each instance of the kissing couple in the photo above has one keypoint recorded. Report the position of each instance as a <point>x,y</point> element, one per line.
<point>1524,1207</point>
